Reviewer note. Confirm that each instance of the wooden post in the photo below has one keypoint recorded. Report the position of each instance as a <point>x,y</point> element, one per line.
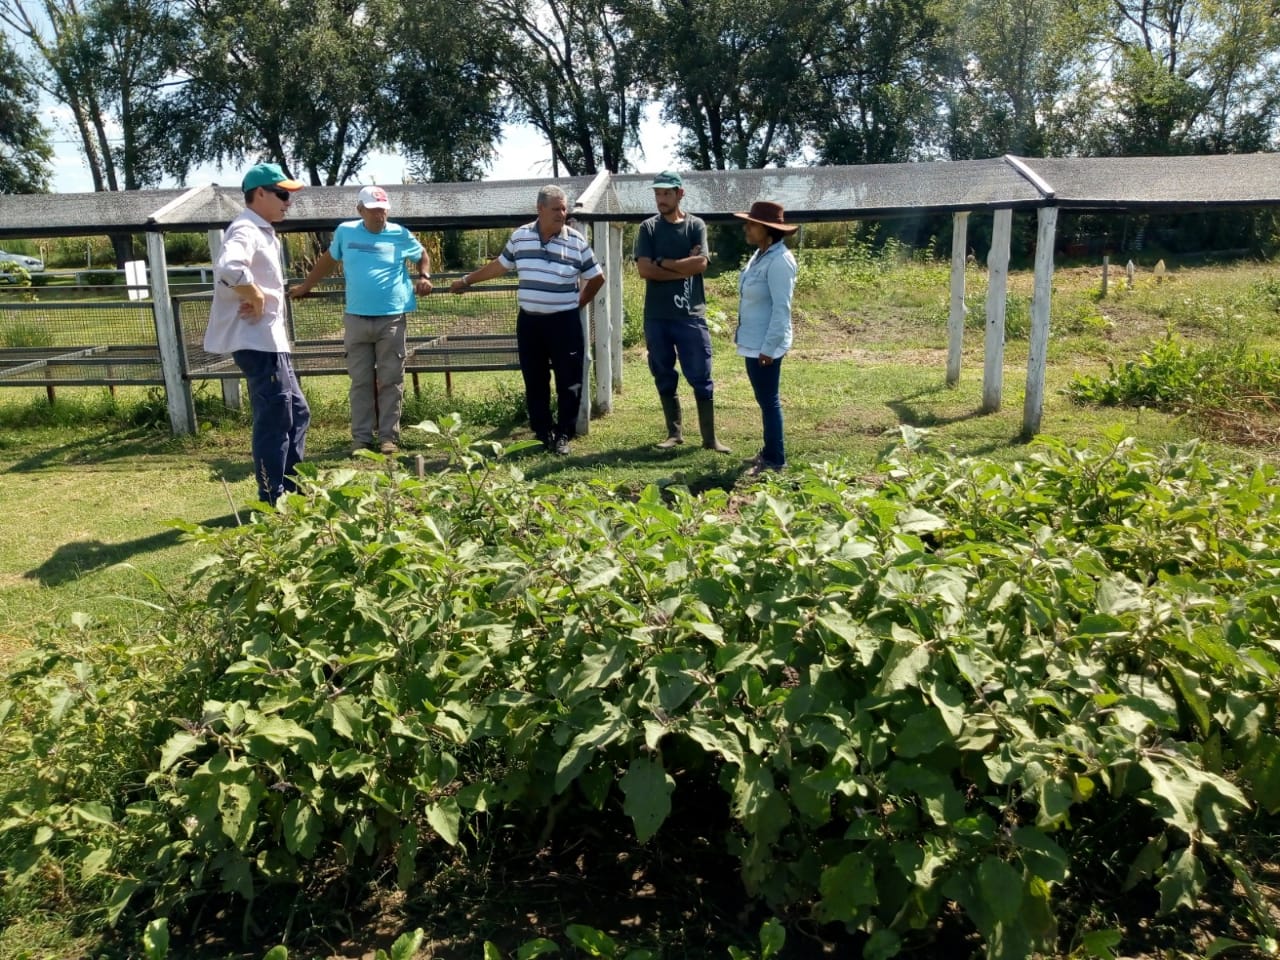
<point>602,241</point>
<point>615,302</point>
<point>230,385</point>
<point>1041,300</point>
<point>997,287</point>
<point>955,318</point>
<point>1106,269</point>
<point>182,411</point>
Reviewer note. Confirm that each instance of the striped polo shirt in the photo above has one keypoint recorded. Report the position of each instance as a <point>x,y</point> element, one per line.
<point>548,272</point>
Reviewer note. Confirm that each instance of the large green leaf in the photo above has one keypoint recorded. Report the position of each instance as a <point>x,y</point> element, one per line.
<point>647,788</point>
<point>1184,879</point>
<point>178,746</point>
<point>302,828</point>
<point>1001,889</point>
<point>444,816</point>
<point>847,889</point>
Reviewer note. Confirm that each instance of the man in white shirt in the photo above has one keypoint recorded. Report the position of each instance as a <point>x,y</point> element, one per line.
<point>247,320</point>
<point>557,276</point>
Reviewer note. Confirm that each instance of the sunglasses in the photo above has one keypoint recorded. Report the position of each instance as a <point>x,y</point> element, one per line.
<point>279,193</point>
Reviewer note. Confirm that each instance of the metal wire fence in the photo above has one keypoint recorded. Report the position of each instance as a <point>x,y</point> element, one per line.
<point>78,343</point>
<point>89,342</point>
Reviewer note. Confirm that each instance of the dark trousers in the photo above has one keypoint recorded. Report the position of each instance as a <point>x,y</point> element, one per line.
<point>551,343</point>
<point>280,419</point>
<point>688,339</point>
<point>764,383</point>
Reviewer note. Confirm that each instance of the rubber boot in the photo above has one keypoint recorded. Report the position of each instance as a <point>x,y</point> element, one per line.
<point>707,424</point>
<point>675,432</point>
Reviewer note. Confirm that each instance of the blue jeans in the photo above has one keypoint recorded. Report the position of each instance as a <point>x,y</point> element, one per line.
<point>688,339</point>
<point>764,382</point>
<point>280,420</point>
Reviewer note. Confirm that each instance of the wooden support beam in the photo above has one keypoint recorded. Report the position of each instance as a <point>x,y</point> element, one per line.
<point>997,291</point>
<point>1041,300</point>
<point>956,316</point>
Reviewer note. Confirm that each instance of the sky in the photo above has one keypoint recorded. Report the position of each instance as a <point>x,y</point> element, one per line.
<point>522,154</point>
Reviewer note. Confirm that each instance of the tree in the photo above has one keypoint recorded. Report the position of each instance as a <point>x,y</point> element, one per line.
<point>1026,80</point>
<point>24,143</point>
<point>571,70</point>
<point>317,94</point>
<point>1190,76</point>
<point>884,70</point>
<point>443,91</point>
<point>738,76</point>
<point>105,61</point>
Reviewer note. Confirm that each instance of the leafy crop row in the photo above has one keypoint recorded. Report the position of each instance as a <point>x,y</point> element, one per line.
<point>1002,688</point>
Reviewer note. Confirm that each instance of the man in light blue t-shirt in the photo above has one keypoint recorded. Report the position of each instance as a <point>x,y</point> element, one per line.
<point>375,255</point>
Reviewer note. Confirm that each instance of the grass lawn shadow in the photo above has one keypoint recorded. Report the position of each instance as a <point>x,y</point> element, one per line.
<point>97,449</point>
<point>73,560</point>
<point>914,415</point>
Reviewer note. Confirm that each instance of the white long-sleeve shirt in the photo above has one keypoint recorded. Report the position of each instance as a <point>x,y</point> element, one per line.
<point>250,254</point>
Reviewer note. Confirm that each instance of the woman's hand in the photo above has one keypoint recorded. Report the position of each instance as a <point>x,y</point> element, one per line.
<point>765,360</point>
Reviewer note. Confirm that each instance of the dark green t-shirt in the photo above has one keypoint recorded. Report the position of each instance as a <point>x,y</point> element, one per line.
<point>672,299</point>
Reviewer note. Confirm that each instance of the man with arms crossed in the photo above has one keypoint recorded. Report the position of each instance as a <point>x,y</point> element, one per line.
<point>380,292</point>
<point>671,256</point>
<point>550,260</point>
<point>247,320</point>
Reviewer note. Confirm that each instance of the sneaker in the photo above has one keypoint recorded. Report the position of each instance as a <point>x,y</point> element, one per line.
<point>357,446</point>
<point>388,448</point>
<point>560,445</point>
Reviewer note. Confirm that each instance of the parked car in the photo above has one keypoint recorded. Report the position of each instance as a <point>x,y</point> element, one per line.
<point>29,264</point>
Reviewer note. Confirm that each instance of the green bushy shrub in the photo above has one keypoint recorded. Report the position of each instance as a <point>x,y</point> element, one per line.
<point>1174,375</point>
<point>1007,688</point>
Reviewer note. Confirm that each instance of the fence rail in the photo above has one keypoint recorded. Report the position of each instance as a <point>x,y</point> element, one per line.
<point>54,343</point>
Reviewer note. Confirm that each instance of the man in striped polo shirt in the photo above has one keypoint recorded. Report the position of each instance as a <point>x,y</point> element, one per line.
<point>551,261</point>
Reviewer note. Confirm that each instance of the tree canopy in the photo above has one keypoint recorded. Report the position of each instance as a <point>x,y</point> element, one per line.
<point>24,143</point>
<point>154,87</point>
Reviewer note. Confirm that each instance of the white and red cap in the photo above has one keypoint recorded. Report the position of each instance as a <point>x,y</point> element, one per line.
<point>374,198</point>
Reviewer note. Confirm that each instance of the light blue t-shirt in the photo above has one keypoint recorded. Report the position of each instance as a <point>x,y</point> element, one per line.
<point>378,281</point>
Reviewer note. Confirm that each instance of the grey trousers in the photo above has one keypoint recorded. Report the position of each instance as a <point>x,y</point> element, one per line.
<point>375,350</point>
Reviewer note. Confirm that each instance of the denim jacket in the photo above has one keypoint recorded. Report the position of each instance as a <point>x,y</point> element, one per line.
<point>765,286</point>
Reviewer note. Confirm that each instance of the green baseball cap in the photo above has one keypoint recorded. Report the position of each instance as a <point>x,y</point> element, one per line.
<point>667,180</point>
<point>268,175</point>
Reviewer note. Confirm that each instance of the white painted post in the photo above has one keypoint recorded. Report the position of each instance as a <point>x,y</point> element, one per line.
<point>602,240</point>
<point>1106,270</point>
<point>182,411</point>
<point>997,287</point>
<point>614,284</point>
<point>230,385</point>
<point>1041,300</point>
<point>955,319</point>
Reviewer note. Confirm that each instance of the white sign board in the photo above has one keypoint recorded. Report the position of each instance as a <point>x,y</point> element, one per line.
<point>135,277</point>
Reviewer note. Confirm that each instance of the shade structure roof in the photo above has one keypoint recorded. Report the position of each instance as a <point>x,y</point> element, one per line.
<point>1166,183</point>
<point>870,191</point>
<point>836,193</point>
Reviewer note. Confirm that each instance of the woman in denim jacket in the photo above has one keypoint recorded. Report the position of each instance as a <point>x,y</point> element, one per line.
<point>765,287</point>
